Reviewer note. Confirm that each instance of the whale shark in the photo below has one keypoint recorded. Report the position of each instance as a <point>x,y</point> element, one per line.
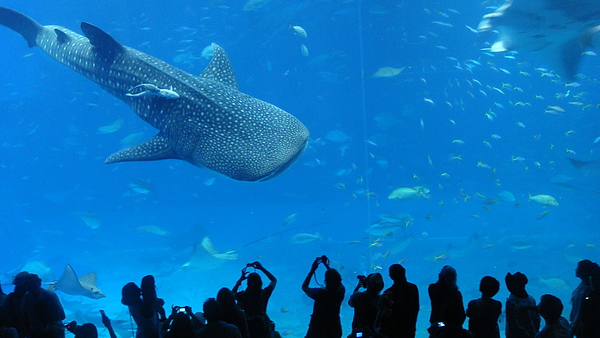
<point>204,120</point>
<point>560,31</point>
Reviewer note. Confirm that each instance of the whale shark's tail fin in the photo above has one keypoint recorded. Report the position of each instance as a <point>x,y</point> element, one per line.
<point>21,24</point>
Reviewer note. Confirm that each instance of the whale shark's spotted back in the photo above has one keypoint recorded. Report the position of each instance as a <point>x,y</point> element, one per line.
<point>207,121</point>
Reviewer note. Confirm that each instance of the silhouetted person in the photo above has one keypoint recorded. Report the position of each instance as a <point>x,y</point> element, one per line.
<point>215,327</point>
<point>325,318</point>
<point>179,323</point>
<point>522,317</point>
<point>400,306</point>
<point>231,313</point>
<point>5,330</point>
<point>14,301</point>
<point>87,330</point>
<point>550,309</point>
<point>484,312</point>
<point>365,302</point>
<point>147,327</point>
<point>590,308</point>
<point>2,295</point>
<point>583,272</point>
<point>445,299</point>
<point>254,300</point>
<point>152,306</point>
<point>43,313</point>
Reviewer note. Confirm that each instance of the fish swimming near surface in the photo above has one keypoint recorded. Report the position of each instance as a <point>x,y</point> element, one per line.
<point>204,120</point>
<point>84,286</point>
<point>559,31</point>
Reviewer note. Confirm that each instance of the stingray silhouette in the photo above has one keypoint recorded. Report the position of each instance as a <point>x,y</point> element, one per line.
<point>70,284</point>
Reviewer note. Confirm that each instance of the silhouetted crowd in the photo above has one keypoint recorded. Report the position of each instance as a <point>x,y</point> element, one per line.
<point>31,311</point>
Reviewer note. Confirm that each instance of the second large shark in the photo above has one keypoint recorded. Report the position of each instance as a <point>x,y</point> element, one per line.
<point>204,120</point>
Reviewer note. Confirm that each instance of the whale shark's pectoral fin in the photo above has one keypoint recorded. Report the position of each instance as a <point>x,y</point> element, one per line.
<point>107,47</point>
<point>567,58</point>
<point>156,148</point>
<point>219,68</point>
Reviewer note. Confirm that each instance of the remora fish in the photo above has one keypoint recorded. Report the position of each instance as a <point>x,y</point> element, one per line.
<point>558,30</point>
<point>204,120</point>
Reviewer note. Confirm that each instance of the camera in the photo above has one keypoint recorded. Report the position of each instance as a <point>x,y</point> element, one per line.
<point>179,309</point>
<point>251,265</point>
<point>362,280</point>
<point>322,259</point>
<point>364,332</point>
<point>72,327</point>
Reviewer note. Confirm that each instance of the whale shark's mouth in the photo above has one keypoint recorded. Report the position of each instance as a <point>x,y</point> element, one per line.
<point>284,166</point>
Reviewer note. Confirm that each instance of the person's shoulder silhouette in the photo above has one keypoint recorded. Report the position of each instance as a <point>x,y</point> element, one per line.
<point>231,313</point>
<point>484,312</point>
<point>522,316</point>
<point>215,327</point>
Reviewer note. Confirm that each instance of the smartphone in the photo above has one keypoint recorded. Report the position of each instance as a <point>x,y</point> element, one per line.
<point>181,309</point>
<point>358,334</point>
<point>102,313</point>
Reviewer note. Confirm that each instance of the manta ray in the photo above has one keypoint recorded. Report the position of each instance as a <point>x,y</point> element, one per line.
<point>70,284</point>
<point>559,31</point>
<point>204,120</point>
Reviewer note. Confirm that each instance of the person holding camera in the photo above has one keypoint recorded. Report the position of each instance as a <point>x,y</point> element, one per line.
<point>87,330</point>
<point>180,324</point>
<point>365,304</point>
<point>325,319</point>
<point>254,300</point>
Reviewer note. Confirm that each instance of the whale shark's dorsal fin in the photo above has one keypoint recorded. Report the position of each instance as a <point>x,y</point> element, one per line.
<point>61,36</point>
<point>219,68</point>
<point>156,148</point>
<point>106,46</point>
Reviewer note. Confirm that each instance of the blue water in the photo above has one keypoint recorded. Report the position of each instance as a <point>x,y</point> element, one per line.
<point>53,176</point>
